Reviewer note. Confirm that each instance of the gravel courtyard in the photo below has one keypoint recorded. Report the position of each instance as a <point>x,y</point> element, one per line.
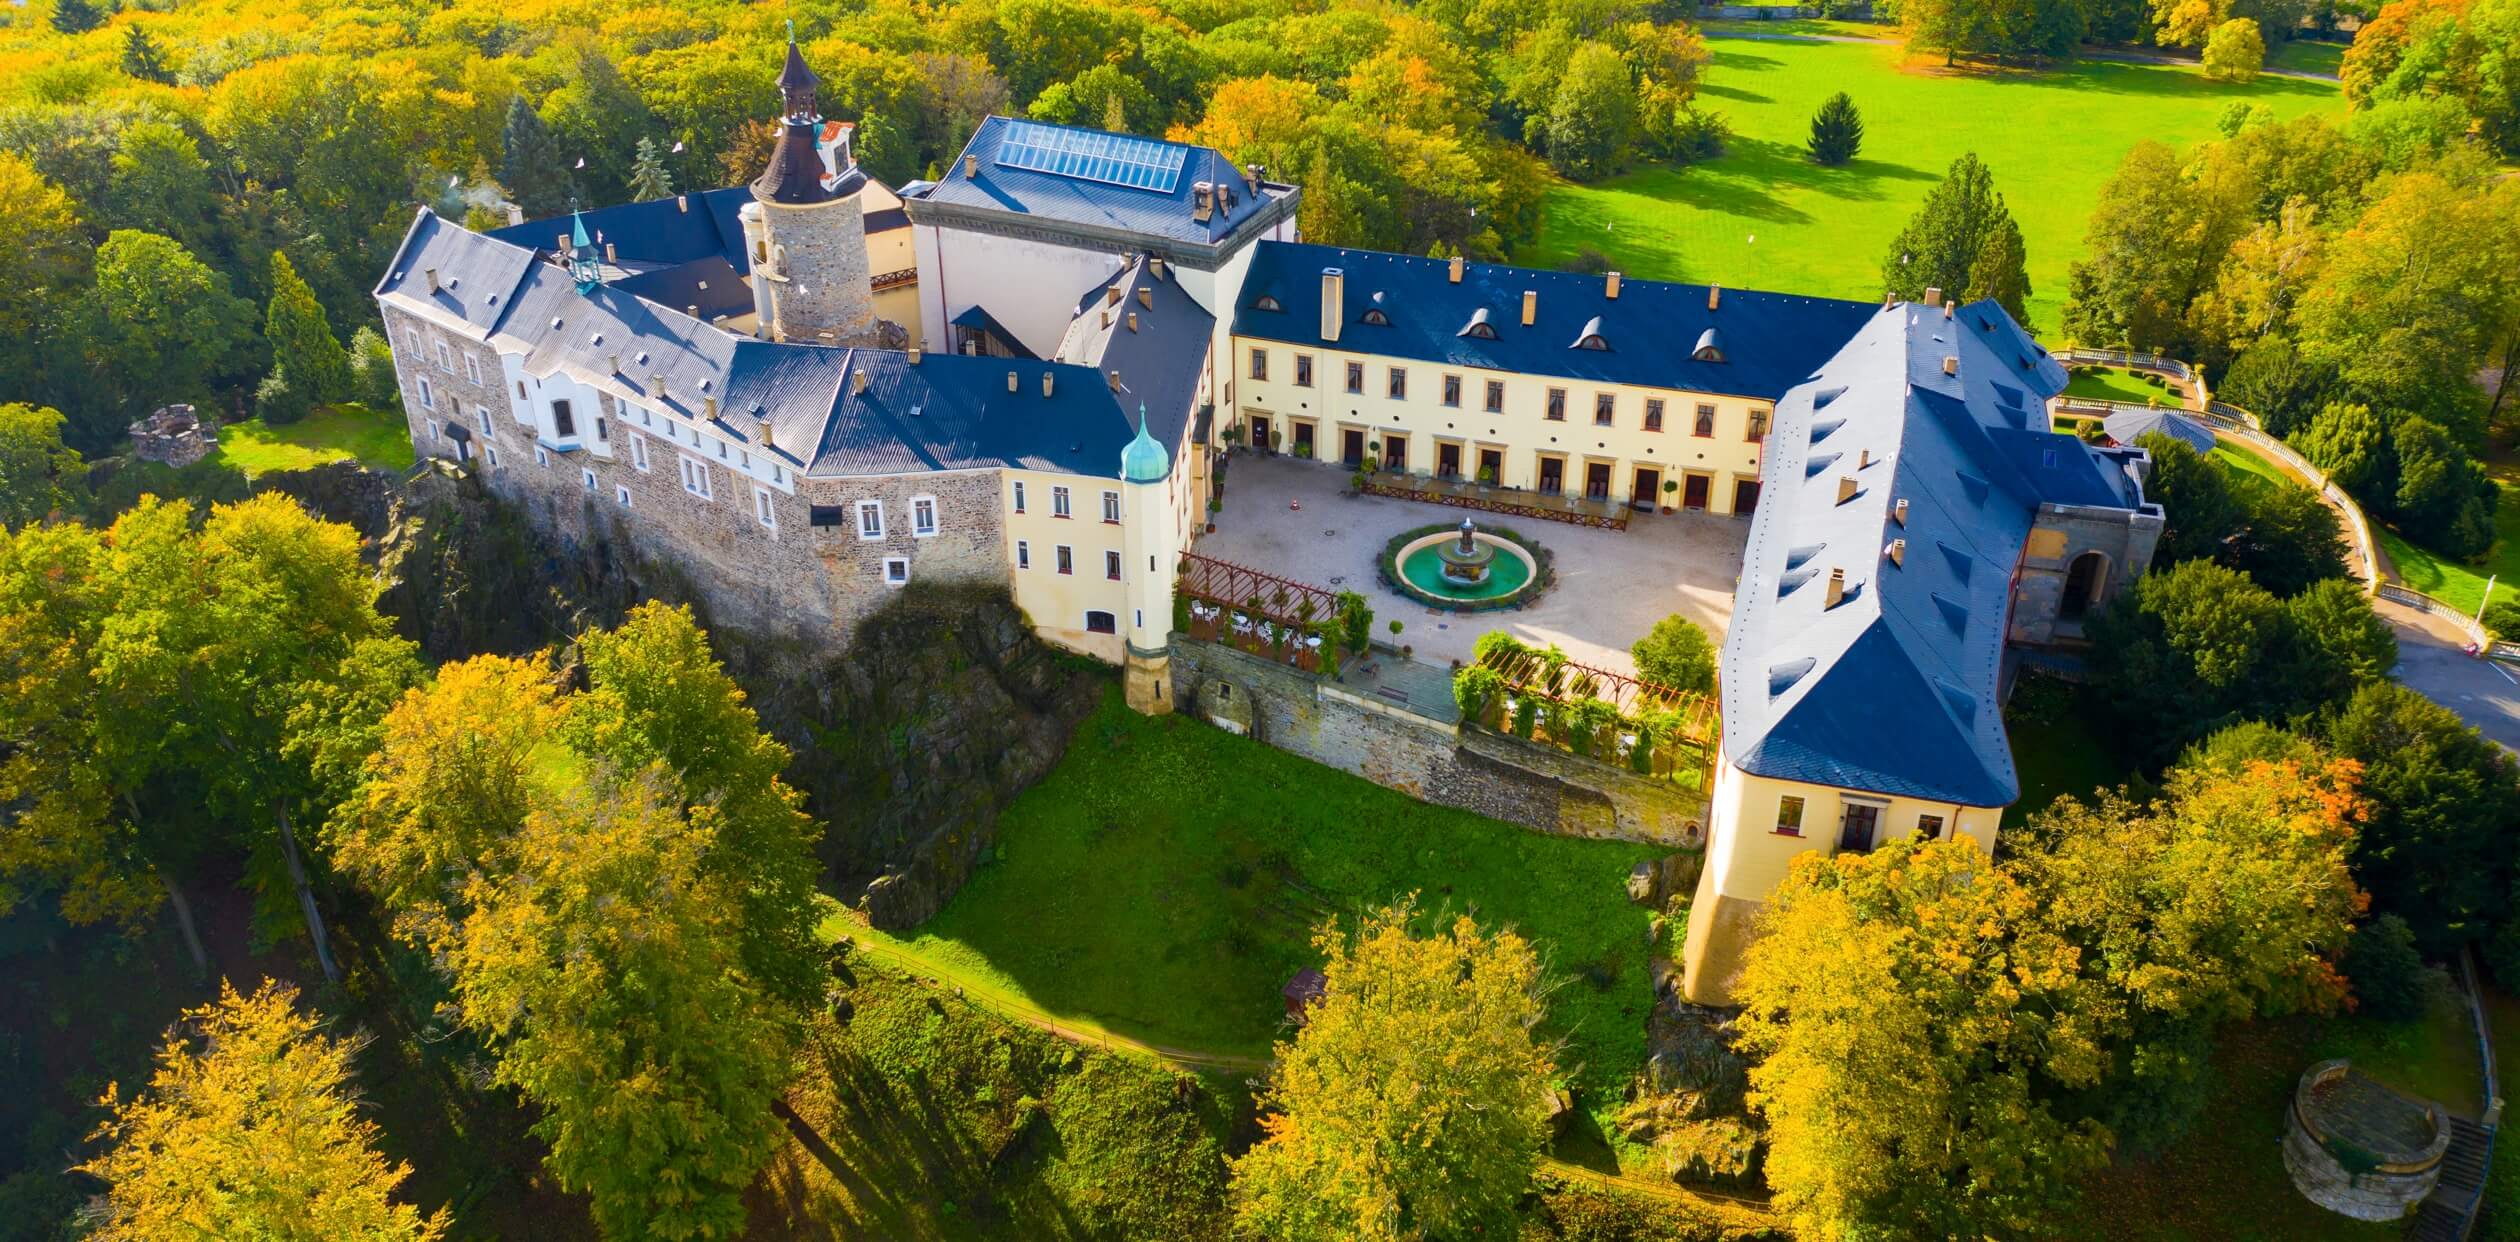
<point>1611,585</point>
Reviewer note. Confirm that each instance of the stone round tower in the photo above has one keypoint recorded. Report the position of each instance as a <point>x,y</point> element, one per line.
<point>808,239</point>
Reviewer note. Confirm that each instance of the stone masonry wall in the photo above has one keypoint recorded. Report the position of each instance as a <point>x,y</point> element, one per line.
<point>826,298</point>
<point>1503,778</point>
<point>969,545</point>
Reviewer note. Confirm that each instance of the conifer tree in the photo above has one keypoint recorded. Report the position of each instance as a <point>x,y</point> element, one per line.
<point>649,178</point>
<point>1837,131</point>
<point>529,162</point>
<point>140,58</point>
<point>1963,220</point>
<point>76,16</point>
<point>303,346</point>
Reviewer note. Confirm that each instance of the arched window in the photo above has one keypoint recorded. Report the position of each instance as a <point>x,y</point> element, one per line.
<point>1099,622</point>
<point>1267,303</point>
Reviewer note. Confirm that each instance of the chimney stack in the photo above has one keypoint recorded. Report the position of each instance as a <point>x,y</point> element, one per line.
<point>1132,321</point>
<point>431,275</point>
<point>1714,297</point>
<point>1146,298</point>
<point>709,404</point>
<point>1047,382</point>
<point>971,166</point>
<point>761,432</point>
<point>1610,286</point>
<point>1531,306</point>
<point>1898,511</point>
<point>1010,381</point>
<point>1333,313</point>
<point>1846,488</point>
<point>656,386</point>
<point>857,381</point>
<point>1251,180</point>
<point>516,214</point>
<point>610,255</point>
<point>616,364</point>
<point>1113,377</point>
<point>1951,365</point>
<point>912,356</point>
<point>1453,270</point>
<point>1863,458</point>
<point>682,203</point>
<point>1949,307</point>
<point>1837,590</point>
<point>1155,267</point>
<point>1933,295</point>
<point>1898,552</point>
<point>1202,201</point>
<point>1111,296</point>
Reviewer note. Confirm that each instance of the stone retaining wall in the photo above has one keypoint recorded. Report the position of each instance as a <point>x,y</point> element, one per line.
<point>1507,778</point>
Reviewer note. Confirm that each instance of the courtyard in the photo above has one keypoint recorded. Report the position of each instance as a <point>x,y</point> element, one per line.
<point>1297,519</point>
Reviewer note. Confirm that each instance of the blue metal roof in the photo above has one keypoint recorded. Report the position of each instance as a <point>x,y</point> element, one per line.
<point>2125,426</point>
<point>664,232</point>
<point>953,412</point>
<point>1893,689</point>
<point>1653,330</point>
<point>1152,212</point>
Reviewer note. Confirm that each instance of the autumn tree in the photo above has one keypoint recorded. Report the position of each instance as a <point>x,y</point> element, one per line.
<point>156,302</point>
<point>1592,118</point>
<point>2235,52</point>
<point>1963,241</point>
<point>250,1128</point>
<point>2156,240</point>
<point>1442,1020</point>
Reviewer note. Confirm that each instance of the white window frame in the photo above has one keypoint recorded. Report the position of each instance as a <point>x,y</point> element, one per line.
<point>1111,507</point>
<point>542,457</point>
<point>433,430</point>
<point>1023,554</point>
<point>490,454</point>
<point>695,478</point>
<point>1111,565</point>
<point>1065,562</point>
<point>1019,495</point>
<point>763,511</point>
<point>586,477</point>
<point>481,416</point>
<point>870,533</point>
<point>896,571</point>
<point>428,395</point>
<point>472,366</point>
<point>445,358</point>
<point>638,453</point>
<point>621,495</point>
<point>923,517</point>
<point>1059,502</point>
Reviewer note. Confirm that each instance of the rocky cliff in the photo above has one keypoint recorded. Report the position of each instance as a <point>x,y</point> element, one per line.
<point>907,743</point>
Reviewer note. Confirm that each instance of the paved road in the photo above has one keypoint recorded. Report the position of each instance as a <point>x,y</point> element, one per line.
<point>2433,661</point>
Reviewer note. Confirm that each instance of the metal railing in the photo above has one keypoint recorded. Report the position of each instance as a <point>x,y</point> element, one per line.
<point>2127,358</point>
<point>2243,425</point>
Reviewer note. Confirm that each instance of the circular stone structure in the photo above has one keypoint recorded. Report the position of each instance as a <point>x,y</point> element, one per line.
<point>1467,564</point>
<point>2360,1148</point>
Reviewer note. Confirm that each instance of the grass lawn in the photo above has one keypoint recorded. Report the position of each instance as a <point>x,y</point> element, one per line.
<point>2307,56</point>
<point>2051,137</point>
<point>2116,384</point>
<point>2501,1219</point>
<point>1164,880</point>
<point>2055,750</point>
<point>347,430</point>
<point>2456,582</point>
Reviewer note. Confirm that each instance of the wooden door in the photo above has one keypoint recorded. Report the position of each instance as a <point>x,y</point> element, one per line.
<point>1448,460</point>
<point>1745,496</point>
<point>1648,485</point>
<point>1597,480</point>
<point>1856,833</point>
<point>1352,447</point>
<point>1259,433</point>
<point>1552,475</point>
<point>1693,491</point>
<point>1491,466</point>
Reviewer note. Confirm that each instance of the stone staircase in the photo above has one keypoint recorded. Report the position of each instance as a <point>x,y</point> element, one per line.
<point>2448,1212</point>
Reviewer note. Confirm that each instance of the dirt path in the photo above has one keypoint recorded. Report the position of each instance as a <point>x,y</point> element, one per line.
<point>971,988</point>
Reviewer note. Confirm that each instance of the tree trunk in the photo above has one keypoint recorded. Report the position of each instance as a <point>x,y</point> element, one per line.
<point>184,919</point>
<point>2510,362</point>
<point>305,892</point>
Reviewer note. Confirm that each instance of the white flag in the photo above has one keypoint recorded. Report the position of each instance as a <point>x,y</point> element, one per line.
<point>678,148</point>
<point>581,161</point>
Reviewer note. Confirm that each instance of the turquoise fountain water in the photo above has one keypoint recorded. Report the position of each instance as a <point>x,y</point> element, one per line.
<point>1472,567</point>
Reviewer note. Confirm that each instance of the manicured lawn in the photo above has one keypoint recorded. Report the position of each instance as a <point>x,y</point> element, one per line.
<point>2055,749</point>
<point>2115,384</point>
<point>2456,582</point>
<point>2051,137</point>
<point>2307,56</point>
<point>1163,882</point>
<point>348,430</point>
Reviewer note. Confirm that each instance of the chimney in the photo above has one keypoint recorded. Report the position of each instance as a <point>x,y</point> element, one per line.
<point>516,214</point>
<point>1949,307</point>
<point>1111,296</point>
<point>1531,306</point>
<point>1610,286</point>
<point>1333,313</point>
<point>1837,590</point>
<point>616,364</point>
<point>761,434</point>
<point>1898,552</point>
<point>709,404</point>
<point>1146,298</point>
<point>1202,201</point>
<point>857,381</point>
<point>1863,458</point>
<point>1951,365</point>
<point>1010,381</point>
<point>1047,385</point>
<point>1114,378</point>
<point>682,203</point>
<point>1898,511</point>
<point>692,310</point>
<point>1132,321</point>
<point>1155,267</point>
<point>1251,180</point>
<point>971,166</point>
<point>1846,488</point>
<point>656,386</point>
<point>1933,295</point>
<point>610,256</point>
<point>1453,270</point>
<point>431,275</point>
<point>912,356</point>
<point>1714,297</point>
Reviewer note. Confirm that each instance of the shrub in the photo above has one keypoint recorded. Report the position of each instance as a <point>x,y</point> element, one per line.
<point>372,379</point>
<point>2386,971</point>
<point>279,401</point>
<point>1477,688</point>
<point>1697,137</point>
<point>1526,713</point>
<point>2503,621</point>
<point>1356,621</point>
<point>1587,724</point>
<point>1676,653</point>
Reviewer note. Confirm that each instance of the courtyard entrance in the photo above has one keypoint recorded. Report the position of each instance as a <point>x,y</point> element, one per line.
<point>1648,486</point>
<point>1693,489</point>
<point>1351,447</point>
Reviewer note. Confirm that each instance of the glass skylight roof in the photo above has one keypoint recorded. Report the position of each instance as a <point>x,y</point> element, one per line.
<point>1113,159</point>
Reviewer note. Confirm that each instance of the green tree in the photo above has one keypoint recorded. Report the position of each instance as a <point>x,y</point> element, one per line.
<point>2183,654</point>
<point>76,16</point>
<point>530,167</point>
<point>2157,239</point>
<point>161,184</point>
<point>1963,219</point>
<point>2235,52</point>
<point>2386,969</point>
<point>2444,498</point>
<point>2200,513</point>
<point>2272,380</point>
<point>2437,849</point>
<point>649,178</point>
<point>1837,131</point>
<point>1443,1021</point>
<point>1676,653</point>
<point>2465,52</point>
<point>2417,292</point>
<point>1592,117</point>
<point>2288,540</point>
<point>39,474</point>
<point>372,378</point>
<point>250,1128</point>
<point>303,346</point>
<point>166,325</point>
<point>141,58</point>
<point>2334,643</point>
<point>2347,441</point>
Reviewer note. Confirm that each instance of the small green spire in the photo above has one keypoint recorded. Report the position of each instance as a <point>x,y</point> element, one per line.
<point>1144,461</point>
<point>585,266</point>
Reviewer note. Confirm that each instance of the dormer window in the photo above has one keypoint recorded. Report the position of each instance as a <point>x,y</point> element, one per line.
<point>1710,347</point>
<point>1374,316</point>
<point>1478,326</point>
<point>1590,337</point>
<point>1267,303</point>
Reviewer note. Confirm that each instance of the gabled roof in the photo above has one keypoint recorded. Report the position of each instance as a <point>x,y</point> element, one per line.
<point>2125,426</point>
<point>977,318</point>
<point>952,412</point>
<point>1155,337</point>
<point>475,276</point>
<point>1652,329</point>
<point>1149,213</point>
<point>1893,690</point>
<point>664,232</point>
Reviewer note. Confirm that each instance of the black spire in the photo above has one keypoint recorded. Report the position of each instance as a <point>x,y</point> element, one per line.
<point>796,171</point>
<point>797,83</point>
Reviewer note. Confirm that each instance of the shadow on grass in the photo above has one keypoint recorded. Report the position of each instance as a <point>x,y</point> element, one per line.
<point>2127,78</point>
<point>1734,93</point>
<point>1584,1143</point>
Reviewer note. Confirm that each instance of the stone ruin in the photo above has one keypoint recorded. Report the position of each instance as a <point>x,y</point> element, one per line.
<point>2358,1147</point>
<point>174,435</point>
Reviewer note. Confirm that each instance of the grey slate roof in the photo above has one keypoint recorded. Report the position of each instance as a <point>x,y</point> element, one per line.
<point>476,276</point>
<point>1770,341</point>
<point>952,412</point>
<point>1051,196</point>
<point>2125,425</point>
<point>1158,345</point>
<point>661,232</point>
<point>1894,689</point>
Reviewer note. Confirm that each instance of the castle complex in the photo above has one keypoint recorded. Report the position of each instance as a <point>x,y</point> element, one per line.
<point>750,385</point>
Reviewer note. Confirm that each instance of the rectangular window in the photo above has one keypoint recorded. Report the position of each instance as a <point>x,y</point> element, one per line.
<point>446,358</point>
<point>563,423</point>
<point>433,430</point>
<point>587,477</point>
<point>1789,812</point>
<point>1111,507</point>
<point>1023,554</point>
<point>1067,560</point>
<point>922,516</point>
<point>896,570</point>
<point>695,478</point>
<point>542,457</point>
<point>763,511</point>
<point>870,519</point>
<point>1929,827</point>
<point>472,367</point>
<point>1653,413</point>
<point>1019,495</point>
<point>428,395</point>
<point>601,436</point>
<point>1111,566</point>
<point>491,455</point>
<point>1496,396</point>
<point>1356,377</point>
<point>1758,426</point>
<point>1604,404</point>
<point>520,396</point>
<point>1059,502</point>
<point>1100,622</point>
<point>1303,370</point>
<point>622,496</point>
<point>481,415</point>
<point>1705,420</point>
<point>1398,386</point>
<point>638,452</point>
<point>1452,392</point>
<point>1557,405</point>
<point>1259,363</point>
<point>826,515</point>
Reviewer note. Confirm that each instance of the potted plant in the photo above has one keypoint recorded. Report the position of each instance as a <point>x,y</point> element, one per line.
<point>1303,450</point>
<point>1276,438</point>
<point>1669,486</point>
<point>1405,650</point>
<point>1215,503</point>
<point>1487,475</point>
<point>1233,437</point>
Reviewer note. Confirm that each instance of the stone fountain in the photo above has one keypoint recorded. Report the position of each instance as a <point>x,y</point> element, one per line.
<point>1466,559</point>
